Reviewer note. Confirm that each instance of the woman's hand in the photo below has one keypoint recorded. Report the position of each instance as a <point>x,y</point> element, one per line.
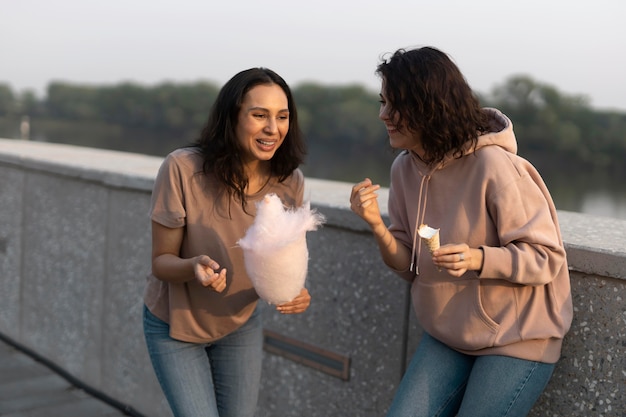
<point>459,258</point>
<point>297,305</point>
<point>205,270</point>
<point>364,202</point>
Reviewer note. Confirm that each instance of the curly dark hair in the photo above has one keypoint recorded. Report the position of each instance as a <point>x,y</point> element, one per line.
<point>218,141</point>
<point>428,93</point>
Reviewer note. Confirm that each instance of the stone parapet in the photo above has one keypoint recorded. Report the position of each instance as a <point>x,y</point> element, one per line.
<point>75,249</point>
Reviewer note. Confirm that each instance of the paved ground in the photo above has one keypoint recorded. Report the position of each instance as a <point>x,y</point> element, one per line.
<point>31,389</point>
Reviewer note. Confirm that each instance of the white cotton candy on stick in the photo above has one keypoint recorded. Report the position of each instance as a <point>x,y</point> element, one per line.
<point>275,251</point>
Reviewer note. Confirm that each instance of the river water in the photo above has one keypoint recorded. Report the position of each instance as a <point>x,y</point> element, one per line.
<point>596,193</point>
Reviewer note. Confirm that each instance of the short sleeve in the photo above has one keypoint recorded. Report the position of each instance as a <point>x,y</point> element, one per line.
<point>167,202</point>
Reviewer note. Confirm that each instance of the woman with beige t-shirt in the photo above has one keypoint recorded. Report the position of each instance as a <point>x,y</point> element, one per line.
<point>202,328</point>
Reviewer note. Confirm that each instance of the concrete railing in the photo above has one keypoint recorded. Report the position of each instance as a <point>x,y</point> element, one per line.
<point>75,249</point>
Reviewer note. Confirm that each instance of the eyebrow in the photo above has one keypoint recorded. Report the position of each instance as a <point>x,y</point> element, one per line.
<point>266,110</point>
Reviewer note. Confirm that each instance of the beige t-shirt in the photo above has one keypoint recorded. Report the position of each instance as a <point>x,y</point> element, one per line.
<point>183,196</point>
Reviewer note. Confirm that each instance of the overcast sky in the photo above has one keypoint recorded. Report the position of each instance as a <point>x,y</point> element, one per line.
<point>576,46</point>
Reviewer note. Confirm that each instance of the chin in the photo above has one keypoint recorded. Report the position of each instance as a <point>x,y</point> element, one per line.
<point>397,144</point>
<point>265,157</point>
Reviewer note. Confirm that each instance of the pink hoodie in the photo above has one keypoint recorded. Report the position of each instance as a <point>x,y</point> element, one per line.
<point>520,304</point>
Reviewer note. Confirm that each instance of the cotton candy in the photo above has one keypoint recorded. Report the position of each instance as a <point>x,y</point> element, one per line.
<point>275,249</point>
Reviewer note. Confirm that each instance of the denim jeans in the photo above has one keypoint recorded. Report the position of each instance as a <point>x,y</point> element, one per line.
<point>445,383</point>
<point>218,379</point>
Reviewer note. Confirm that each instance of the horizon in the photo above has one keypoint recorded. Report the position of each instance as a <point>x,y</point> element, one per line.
<point>563,44</point>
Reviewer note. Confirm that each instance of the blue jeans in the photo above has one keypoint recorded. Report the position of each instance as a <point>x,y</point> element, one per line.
<point>443,382</point>
<point>218,379</point>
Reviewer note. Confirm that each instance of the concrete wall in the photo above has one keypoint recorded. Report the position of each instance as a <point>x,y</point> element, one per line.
<point>75,248</point>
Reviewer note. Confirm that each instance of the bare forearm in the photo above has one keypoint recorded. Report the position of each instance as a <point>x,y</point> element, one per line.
<point>171,268</point>
<point>364,202</point>
<point>394,255</point>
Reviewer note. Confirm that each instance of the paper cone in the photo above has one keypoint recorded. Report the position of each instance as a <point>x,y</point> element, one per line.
<point>430,236</point>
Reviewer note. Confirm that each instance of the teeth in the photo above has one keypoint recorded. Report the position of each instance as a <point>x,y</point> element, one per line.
<point>262,142</point>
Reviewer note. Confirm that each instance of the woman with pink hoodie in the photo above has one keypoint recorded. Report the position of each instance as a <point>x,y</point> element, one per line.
<point>494,299</point>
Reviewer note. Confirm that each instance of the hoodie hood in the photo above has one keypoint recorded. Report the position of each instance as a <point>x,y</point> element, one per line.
<point>500,132</point>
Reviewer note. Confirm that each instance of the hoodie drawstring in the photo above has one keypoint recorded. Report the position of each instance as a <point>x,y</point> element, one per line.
<point>419,220</point>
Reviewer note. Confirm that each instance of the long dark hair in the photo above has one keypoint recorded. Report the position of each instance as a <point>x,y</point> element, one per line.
<point>430,95</point>
<point>218,142</point>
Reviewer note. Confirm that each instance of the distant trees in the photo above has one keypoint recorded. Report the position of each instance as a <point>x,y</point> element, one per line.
<point>7,100</point>
<point>340,117</point>
<point>165,106</point>
<point>346,139</point>
<point>566,127</point>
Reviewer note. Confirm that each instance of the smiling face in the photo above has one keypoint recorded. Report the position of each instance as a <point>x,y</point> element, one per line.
<point>399,136</point>
<point>263,123</point>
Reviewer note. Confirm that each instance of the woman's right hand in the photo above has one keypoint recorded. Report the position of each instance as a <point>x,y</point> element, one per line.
<point>205,270</point>
<point>364,202</point>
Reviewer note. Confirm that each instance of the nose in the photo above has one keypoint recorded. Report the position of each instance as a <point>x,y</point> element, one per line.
<point>383,113</point>
<point>271,126</point>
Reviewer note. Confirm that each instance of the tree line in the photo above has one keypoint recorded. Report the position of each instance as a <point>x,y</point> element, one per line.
<point>346,140</point>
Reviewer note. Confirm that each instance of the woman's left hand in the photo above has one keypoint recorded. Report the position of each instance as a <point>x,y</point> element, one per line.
<point>459,258</point>
<point>297,305</point>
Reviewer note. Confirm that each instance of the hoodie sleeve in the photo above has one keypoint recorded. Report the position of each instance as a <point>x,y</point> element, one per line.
<point>531,250</point>
<point>398,211</point>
